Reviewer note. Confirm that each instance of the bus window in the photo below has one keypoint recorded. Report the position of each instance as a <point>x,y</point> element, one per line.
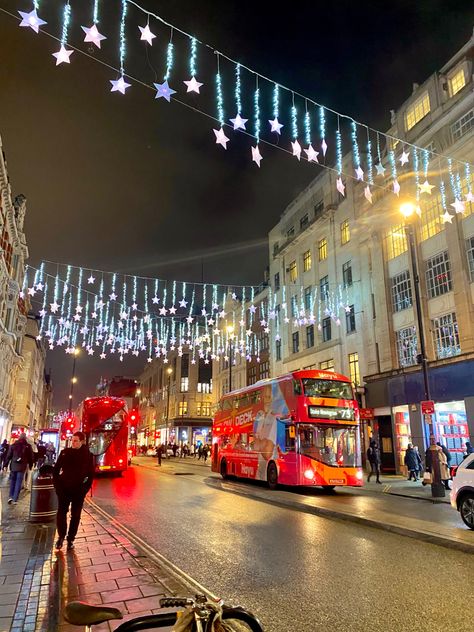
<point>290,439</point>
<point>227,404</point>
<point>327,388</point>
<point>297,387</point>
<point>254,397</point>
<point>243,401</point>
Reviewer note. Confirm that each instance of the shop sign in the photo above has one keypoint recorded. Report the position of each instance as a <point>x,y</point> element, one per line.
<point>428,407</point>
<point>366,413</point>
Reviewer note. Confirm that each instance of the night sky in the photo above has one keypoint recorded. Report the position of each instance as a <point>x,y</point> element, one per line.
<point>129,184</point>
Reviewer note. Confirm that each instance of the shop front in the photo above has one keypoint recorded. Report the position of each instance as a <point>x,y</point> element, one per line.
<point>193,431</point>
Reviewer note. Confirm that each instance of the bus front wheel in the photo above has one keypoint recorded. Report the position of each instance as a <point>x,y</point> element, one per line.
<point>224,469</point>
<point>272,475</point>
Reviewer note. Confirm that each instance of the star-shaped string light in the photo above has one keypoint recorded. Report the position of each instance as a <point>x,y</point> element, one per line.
<point>426,187</point>
<point>183,303</point>
<point>458,206</point>
<point>470,197</point>
<point>93,35</point>
<point>296,147</point>
<point>31,20</point>
<point>340,186</point>
<point>404,157</point>
<point>256,155</point>
<point>119,85</point>
<point>359,173</point>
<point>163,91</point>
<point>380,169</point>
<point>447,218</point>
<point>238,122</point>
<point>221,138</point>
<point>62,56</point>
<point>146,34</point>
<point>312,154</point>
<point>193,85</point>
<point>275,125</point>
<point>91,279</point>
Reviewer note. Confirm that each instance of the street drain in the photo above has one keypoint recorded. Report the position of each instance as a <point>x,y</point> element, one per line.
<point>184,473</point>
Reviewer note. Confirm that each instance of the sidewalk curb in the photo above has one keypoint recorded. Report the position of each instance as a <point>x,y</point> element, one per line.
<point>348,517</point>
<point>178,575</point>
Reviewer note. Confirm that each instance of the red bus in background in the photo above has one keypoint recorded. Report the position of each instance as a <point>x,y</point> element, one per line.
<point>104,420</point>
<point>298,429</point>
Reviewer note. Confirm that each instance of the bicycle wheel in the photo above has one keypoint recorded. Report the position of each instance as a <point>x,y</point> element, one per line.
<point>239,614</point>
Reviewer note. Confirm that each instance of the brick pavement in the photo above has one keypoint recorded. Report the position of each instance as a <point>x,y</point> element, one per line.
<point>104,568</point>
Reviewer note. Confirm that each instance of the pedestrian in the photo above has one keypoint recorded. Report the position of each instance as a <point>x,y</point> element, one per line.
<point>50,453</point>
<point>200,452</point>
<point>3,454</point>
<point>469,449</point>
<point>41,454</point>
<point>174,448</point>
<point>159,453</point>
<point>411,462</point>
<point>419,461</point>
<point>435,451</point>
<point>373,456</point>
<point>205,452</point>
<point>73,474</point>
<point>20,455</point>
<point>447,454</point>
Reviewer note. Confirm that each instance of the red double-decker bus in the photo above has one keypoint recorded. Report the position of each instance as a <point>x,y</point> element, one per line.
<point>104,420</point>
<point>298,429</point>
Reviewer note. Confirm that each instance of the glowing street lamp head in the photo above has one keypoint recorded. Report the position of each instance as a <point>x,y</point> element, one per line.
<point>230,329</point>
<point>74,380</point>
<point>169,370</point>
<point>407,209</point>
<point>76,351</point>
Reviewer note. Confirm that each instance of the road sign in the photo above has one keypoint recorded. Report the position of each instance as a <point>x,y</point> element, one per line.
<point>366,413</point>
<point>428,407</point>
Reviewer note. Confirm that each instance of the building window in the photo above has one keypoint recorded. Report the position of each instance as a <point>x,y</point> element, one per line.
<point>290,232</point>
<point>326,329</point>
<point>318,208</point>
<point>277,281</point>
<point>307,261</point>
<point>324,288</point>
<point>184,384</point>
<point>310,336</point>
<point>264,370</point>
<point>347,274</point>
<point>276,247</point>
<point>401,291</point>
<point>456,82</point>
<point>277,314</point>
<point>418,110</point>
<point>446,336</point>
<point>252,376</point>
<point>345,232</point>
<point>263,339</point>
<point>293,270</point>
<point>203,409</point>
<point>350,319</point>
<point>438,275</point>
<point>323,249</point>
<point>354,371</point>
<point>204,387</point>
<point>278,350</point>
<point>470,256</point>
<point>294,306</point>
<point>395,242</point>
<point>327,365</point>
<point>304,221</point>
<point>431,222</point>
<point>295,339</point>
<point>182,408</point>
<point>462,125</point>
<point>406,346</point>
<point>307,298</point>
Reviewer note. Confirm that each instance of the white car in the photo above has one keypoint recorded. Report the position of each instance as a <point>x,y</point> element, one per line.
<point>462,493</point>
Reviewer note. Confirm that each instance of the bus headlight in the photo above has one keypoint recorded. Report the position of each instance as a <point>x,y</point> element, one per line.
<point>309,474</point>
<point>359,475</point>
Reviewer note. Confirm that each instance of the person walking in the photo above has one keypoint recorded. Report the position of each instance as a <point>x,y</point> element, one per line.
<point>469,449</point>
<point>3,454</point>
<point>159,453</point>
<point>411,463</point>
<point>73,474</point>
<point>447,454</point>
<point>419,469</point>
<point>20,455</point>
<point>373,456</point>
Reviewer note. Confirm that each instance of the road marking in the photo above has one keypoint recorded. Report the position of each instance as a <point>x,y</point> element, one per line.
<point>386,489</point>
<point>174,570</point>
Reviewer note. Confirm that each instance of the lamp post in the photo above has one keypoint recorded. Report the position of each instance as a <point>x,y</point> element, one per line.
<point>169,371</point>
<point>230,332</point>
<point>408,210</point>
<point>73,377</point>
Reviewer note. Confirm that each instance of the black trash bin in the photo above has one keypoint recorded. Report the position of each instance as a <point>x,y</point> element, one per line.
<point>44,502</point>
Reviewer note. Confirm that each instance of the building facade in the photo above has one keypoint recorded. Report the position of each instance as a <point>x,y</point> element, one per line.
<point>346,262</point>
<point>176,400</point>
<point>13,254</point>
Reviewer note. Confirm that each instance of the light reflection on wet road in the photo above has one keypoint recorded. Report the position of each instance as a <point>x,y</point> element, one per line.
<point>296,571</point>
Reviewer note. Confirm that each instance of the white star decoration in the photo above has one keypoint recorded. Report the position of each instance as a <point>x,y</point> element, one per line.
<point>91,279</point>
<point>426,187</point>
<point>296,147</point>
<point>404,157</point>
<point>183,303</point>
<point>447,218</point>
<point>31,20</point>
<point>93,35</point>
<point>312,154</point>
<point>164,91</point>
<point>120,85</point>
<point>62,56</point>
<point>146,34</point>
<point>458,206</point>
<point>221,138</point>
<point>340,186</point>
<point>380,169</point>
<point>238,122</point>
<point>359,173</point>
<point>193,85</point>
<point>470,197</point>
<point>275,125</point>
<point>256,155</point>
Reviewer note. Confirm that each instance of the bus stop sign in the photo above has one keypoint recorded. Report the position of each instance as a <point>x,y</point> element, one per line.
<point>427,407</point>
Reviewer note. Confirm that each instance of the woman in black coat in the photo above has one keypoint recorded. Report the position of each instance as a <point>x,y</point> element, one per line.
<point>411,461</point>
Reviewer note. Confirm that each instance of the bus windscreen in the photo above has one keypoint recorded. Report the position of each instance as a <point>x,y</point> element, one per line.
<point>327,388</point>
<point>102,436</point>
<point>334,445</point>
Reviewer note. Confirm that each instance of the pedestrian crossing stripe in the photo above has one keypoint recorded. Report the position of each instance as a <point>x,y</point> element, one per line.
<point>387,488</point>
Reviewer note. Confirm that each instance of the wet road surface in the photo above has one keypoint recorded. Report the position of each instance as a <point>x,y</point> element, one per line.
<point>296,571</point>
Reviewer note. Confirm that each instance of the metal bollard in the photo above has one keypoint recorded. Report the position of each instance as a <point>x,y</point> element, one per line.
<point>44,502</point>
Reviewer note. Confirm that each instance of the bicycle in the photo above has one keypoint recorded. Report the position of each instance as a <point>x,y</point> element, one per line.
<point>199,615</point>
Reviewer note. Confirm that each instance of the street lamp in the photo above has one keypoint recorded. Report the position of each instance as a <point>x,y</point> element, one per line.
<point>409,211</point>
<point>169,371</point>
<point>230,332</point>
<point>75,353</point>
